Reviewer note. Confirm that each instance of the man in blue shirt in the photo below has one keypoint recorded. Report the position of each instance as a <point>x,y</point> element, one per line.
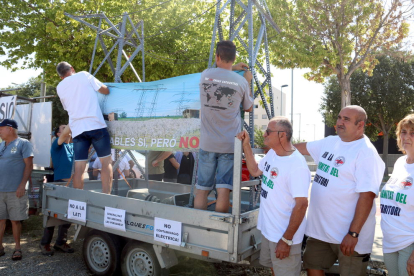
<point>62,159</point>
<point>16,165</point>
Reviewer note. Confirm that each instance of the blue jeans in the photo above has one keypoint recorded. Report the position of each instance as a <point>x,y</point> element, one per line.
<point>100,140</point>
<point>215,165</point>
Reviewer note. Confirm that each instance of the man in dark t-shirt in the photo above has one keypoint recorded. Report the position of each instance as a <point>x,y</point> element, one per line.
<point>62,159</point>
<point>170,167</point>
<point>186,161</point>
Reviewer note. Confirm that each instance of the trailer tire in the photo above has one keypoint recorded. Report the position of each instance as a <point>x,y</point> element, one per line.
<point>101,253</point>
<point>139,259</point>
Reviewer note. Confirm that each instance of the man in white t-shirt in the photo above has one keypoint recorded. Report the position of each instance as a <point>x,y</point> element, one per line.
<point>123,168</point>
<point>284,197</point>
<point>341,215</point>
<point>77,92</point>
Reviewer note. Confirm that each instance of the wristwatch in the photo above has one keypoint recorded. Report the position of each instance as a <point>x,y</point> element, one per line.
<point>288,242</point>
<point>353,234</point>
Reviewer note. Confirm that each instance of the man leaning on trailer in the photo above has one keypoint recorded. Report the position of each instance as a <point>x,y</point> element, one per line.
<point>284,197</point>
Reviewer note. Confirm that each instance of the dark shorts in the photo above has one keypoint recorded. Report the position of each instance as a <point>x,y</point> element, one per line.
<point>100,140</point>
<point>321,255</point>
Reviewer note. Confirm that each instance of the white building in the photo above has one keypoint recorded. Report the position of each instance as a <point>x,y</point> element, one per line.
<point>260,117</point>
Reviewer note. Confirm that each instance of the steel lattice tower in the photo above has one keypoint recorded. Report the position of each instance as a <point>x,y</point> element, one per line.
<point>242,16</point>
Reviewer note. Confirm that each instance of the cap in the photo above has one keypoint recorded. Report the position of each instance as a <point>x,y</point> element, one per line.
<point>8,122</point>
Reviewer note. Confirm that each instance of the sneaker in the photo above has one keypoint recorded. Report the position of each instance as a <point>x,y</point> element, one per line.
<point>64,248</point>
<point>46,250</point>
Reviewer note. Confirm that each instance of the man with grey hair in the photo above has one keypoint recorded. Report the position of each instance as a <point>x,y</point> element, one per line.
<point>341,216</point>
<point>77,92</point>
<point>284,197</point>
<point>16,165</point>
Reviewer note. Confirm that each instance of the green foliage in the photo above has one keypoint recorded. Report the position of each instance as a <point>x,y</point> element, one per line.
<point>41,35</point>
<point>387,96</point>
<point>297,140</point>
<point>32,89</point>
<point>258,137</point>
<point>335,37</point>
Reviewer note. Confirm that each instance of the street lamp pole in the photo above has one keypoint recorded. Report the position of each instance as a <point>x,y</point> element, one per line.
<point>314,130</point>
<point>281,96</point>
<point>291,102</point>
<point>300,119</point>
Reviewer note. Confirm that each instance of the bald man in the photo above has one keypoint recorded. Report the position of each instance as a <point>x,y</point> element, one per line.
<point>341,214</point>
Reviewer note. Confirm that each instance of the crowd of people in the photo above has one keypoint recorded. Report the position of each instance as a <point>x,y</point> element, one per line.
<point>337,215</point>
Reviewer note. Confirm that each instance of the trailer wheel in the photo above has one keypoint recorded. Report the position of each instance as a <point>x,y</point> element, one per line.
<point>139,259</point>
<point>101,252</point>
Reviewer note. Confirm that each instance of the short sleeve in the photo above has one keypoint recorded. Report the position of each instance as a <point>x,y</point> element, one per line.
<point>123,165</point>
<point>96,84</point>
<point>369,171</point>
<point>96,164</point>
<point>127,157</point>
<point>299,183</point>
<point>263,161</point>
<point>247,99</point>
<point>27,149</point>
<point>314,148</point>
<point>55,145</point>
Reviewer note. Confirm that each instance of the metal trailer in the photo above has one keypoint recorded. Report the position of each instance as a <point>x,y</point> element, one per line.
<point>206,235</point>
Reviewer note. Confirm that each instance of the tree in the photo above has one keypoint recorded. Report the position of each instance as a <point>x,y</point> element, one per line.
<point>177,35</point>
<point>387,96</point>
<point>258,138</point>
<point>32,89</point>
<point>334,37</point>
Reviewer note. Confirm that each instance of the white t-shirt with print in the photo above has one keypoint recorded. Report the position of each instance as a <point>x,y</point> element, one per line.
<point>78,96</point>
<point>123,165</point>
<point>397,208</point>
<point>345,169</point>
<point>284,179</point>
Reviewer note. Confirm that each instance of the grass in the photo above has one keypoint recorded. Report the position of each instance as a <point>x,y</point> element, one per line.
<point>32,226</point>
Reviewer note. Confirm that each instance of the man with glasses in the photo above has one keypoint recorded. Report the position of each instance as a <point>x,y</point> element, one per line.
<point>16,165</point>
<point>284,197</point>
<point>77,92</point>
<point>341,216</point>
<point>221,94</point>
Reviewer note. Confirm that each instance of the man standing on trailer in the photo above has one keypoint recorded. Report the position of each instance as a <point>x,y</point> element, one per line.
<point>77,92</point>
<point>221,94</point>
<point>341,216</point>
<point>284,197</point>
<point>16,165</point>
